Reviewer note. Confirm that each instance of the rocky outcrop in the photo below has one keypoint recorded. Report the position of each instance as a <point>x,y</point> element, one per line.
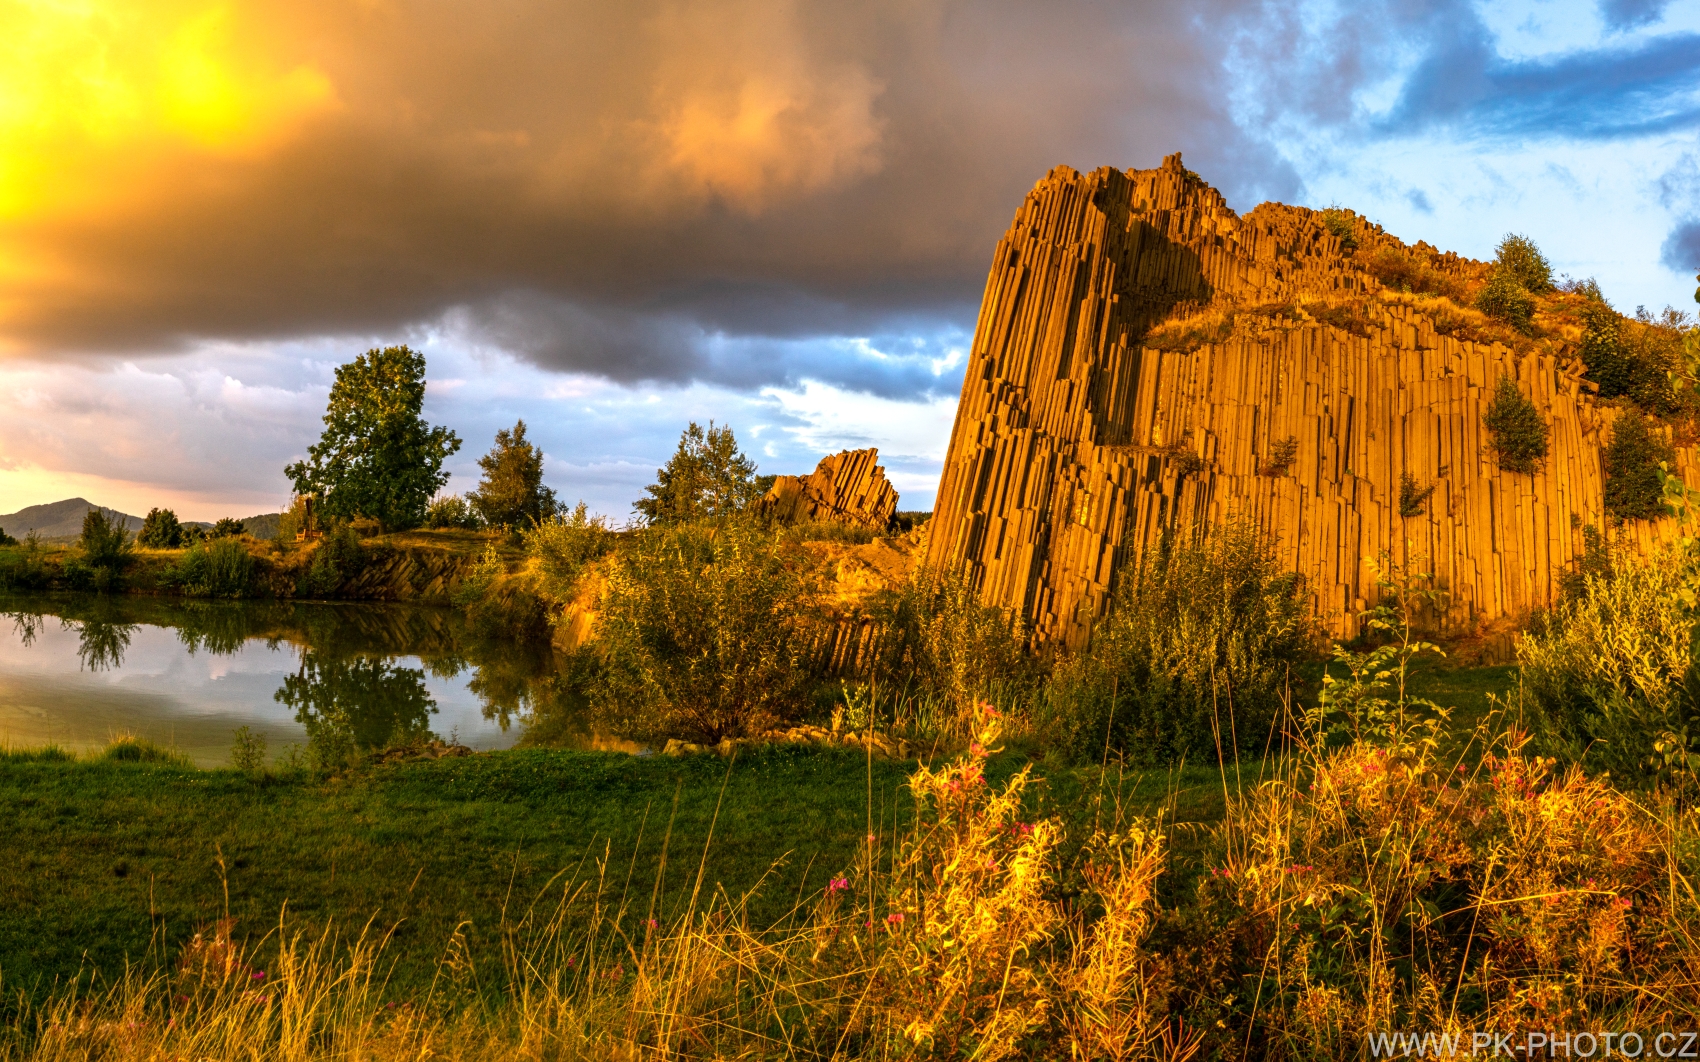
<point>848,487</point>
<point>1145,359</point>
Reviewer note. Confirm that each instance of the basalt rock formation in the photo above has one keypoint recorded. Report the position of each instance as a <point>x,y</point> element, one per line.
<point>1146,359</point>
<point>848,487</point>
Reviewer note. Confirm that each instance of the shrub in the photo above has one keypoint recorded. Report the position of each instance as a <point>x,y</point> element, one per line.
<point>5,539</point>
<point>1518,258</point>
<point>1627,362</point>
<point>1338,222</point>
<point>1194,651</point>
<point>700,633</point>
<point>563,545</point>
<point>1405,271</point>
<point>944,652</point>
<point>1594,562</point>
<point>227,528</point>
<point>452,512</point>
<point>1607,671</point>
<point>1282,454</point>
<point>223,568</point>
<point>1631,460</point>
<point>248,752</point>
<point>105,542</point>
<point>1413,500</point>
<point>1506,300</point>
<point>160,530</point>
<point>338,558</point>
<point>24,570</point>
<point>1515,425</point>
<point>1588,288</point>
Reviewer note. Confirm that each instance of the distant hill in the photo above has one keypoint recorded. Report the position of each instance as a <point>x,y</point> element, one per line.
<point>59,519</point>
<point>62,521</point>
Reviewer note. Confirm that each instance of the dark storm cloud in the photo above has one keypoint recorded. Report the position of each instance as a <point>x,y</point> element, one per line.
<point>1681,249</point>
<point>644,191</point>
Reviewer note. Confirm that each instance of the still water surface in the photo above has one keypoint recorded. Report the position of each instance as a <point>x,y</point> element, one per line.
<point>80,670</point>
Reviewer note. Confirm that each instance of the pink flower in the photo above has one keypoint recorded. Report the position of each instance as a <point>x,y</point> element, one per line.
<point>893,918</point>
<point>261,976</point>
<point>652,923</point>
<point>837,885</point>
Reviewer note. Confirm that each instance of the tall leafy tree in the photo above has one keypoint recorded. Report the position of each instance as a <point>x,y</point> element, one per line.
<point>377,457</point>
<point>160,530</point>
<point>511,492</point>
<point>707,476</point>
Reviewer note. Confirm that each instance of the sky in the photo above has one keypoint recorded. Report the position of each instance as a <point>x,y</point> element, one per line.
<point>611,219</point>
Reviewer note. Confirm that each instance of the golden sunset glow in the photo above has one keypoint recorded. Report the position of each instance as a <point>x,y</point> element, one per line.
<point>95,96</point>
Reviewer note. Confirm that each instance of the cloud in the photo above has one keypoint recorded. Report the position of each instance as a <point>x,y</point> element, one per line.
<point>1681,250</point>
<point>665,190</point>
<point>1628,14</point>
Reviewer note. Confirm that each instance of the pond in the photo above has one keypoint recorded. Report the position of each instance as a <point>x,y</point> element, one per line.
<point>80,670</point>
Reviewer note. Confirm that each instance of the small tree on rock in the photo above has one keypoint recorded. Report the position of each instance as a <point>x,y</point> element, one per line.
<point>1519,434</point>
<point>1519,258</point>
<point>377,457</point>
<point>708,476</point>
<point>511,493</point>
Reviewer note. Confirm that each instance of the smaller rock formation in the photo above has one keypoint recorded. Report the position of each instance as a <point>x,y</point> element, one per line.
<point>848,487</point>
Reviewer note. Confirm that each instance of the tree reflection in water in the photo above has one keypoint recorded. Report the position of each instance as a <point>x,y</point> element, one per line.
<point>357,703</point>
<point>347,690</point>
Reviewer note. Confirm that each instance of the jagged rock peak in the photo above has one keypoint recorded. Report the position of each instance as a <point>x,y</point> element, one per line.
<point>848,487</point>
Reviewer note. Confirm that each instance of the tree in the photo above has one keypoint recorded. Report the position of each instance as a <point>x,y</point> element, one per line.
<point>377,457</point>
<point>1631,460</point>
<point>1519,258</point>
<point>512,493</point>
<point>227,527</point>
<point>707,476</point>
<point>160,530</point>
<point>106,544</point>
<point>1519,434</point>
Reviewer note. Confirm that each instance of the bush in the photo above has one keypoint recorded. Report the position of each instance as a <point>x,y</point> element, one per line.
<point>1404,271</point>
<point>24,570</point>
<point>1413,500</point>
<point>1282,454</point>
<point>562,546</point>
<point>227,528</point>
<point>1194,651</point>
<point>1518,258</point>
<point>105,542</point>
<point>1608,670</point>
<point>700,633</point>
<point>452,512</point>
<point>1506,300</point>
<point>338,557</point>
<point>223,568</point>
<point>1338,222</point>
<point>5,539</point>
<point>1515,425</point>
<point>1631,460</point>
<point>1624,365</point>
<point>1588,288</point>
<point>160,530</point>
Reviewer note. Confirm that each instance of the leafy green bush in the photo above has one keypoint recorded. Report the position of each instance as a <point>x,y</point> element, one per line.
<point>1624,365</point>
<point>497,606</point>
<point>1515,425</point>
<point>24,569</point>
<point>563,545</point>
<point>5,539</point>
<point>1506,300</point>
<point>160,530</point>
<point>221,568</point>
<point>1609,669</point>
<point>1338,222</point>
<point>1195,650</point>
<point>1631,460</point>
<point>701,633</point>
<point>452,512</point>
<point>1518,258</point>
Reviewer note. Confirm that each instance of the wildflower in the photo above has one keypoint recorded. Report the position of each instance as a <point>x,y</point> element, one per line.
<point>1623,901</point>
<point>259,976</point>
<point>894,918</point>
<point>837,885</point>
<point>652,923</point>
<point>573,962</point>
<point>976,749</point>
<point>873,838</point>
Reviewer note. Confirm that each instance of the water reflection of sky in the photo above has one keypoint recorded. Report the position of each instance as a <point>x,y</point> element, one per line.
<point>161,691</point>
